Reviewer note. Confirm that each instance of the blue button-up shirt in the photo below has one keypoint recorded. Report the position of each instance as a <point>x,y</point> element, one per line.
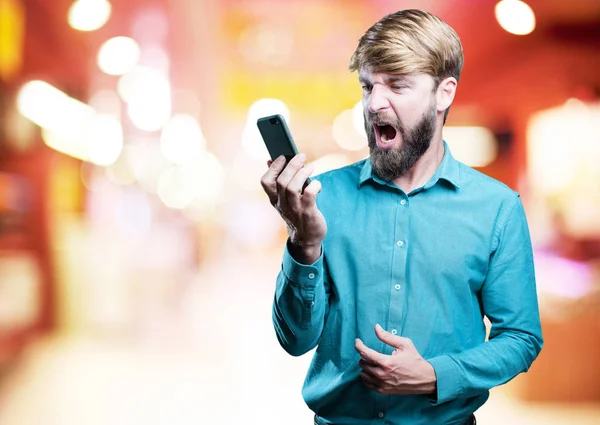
<point>427,265</point>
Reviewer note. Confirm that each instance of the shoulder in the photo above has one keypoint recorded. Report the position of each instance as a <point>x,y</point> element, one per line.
<point>488,197</point>
<point>473,180</point>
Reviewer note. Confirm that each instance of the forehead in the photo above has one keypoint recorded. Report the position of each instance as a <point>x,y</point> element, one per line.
<point>365,75</point>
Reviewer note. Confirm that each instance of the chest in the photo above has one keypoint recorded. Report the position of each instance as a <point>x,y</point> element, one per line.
<point>441,241</point>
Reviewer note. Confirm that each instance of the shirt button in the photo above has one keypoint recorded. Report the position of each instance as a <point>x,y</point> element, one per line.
<point>311,275</point>
<point>397,287</point>
<point>400,243</point>
<point>380,414</point>
<point>394,331</point>
<point>402,202</point>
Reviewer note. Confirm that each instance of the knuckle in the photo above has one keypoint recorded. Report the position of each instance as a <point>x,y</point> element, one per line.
<point>265,183</point>
<point>406,341</point>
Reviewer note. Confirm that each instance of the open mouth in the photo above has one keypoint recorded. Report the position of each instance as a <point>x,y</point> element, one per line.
<point>386,132</point>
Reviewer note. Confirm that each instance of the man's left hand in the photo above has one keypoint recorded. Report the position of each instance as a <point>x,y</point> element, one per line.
<point>402,372</point>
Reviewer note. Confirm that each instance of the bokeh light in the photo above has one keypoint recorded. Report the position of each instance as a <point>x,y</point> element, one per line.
<point>118,55</point>
<point>252,141</point>
<point>89,15</point>
<point>147,93</point>
<point>104,139</point>
<point>515,16</point>
<point>181,139</point>
<point>474,146</point>
<point>345,131</point>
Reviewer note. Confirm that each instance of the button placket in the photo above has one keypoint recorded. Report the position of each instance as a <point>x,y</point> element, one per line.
<point>399,266</point>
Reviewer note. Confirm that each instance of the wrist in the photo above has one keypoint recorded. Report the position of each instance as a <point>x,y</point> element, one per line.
<point>430,379</point>
<point>304,253</point>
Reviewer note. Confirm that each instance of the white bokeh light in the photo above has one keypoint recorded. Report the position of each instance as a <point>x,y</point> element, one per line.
<point>345,132</point>
<point>104,140</point>
<point>474,146</point>
<point>358,118</point>
<point>89,15</point>
<point>106,102</point>
<point>118,55</point>
<point>181,139</point>
<point>330,162</point>
<point>252,141</point>
<point>198,182</point>
<point>50,108</point>
<point>515,16</point>
<point>147,93</point>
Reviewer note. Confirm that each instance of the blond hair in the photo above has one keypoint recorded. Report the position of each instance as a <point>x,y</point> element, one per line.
<point>410,42</point>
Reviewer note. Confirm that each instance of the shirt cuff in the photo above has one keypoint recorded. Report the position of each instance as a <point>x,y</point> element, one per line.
<point>302,274</point>
<point>447,374</point>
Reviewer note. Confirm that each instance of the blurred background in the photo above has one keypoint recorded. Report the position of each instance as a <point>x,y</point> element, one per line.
<point>138,253</point>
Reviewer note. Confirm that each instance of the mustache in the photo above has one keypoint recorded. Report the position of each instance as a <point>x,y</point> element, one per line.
<point>371,117</point>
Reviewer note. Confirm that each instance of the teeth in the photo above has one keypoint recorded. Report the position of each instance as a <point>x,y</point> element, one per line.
<point>382,135</point>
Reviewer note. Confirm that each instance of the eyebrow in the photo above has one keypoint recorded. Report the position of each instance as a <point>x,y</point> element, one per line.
<point>388,80</point>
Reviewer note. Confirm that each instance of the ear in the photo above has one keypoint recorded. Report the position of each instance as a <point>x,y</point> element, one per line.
<point>445,93</point>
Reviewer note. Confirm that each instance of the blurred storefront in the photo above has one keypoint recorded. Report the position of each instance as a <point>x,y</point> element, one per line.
<point>130,203</point>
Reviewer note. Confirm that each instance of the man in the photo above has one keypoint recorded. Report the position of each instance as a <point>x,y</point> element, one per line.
<point>410,241</point>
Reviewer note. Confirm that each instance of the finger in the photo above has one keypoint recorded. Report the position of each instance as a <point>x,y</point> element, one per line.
<point>371,370</point>
<point>371,383</point>
<point>269,162</point>
<point>290,170</point>
<point>389,338</point>
<point>369,379</point>
<point>294,188</point>
<point>309,196</point>
<point>269,179</point>
<point>369,354</point>
<point>284,193</point>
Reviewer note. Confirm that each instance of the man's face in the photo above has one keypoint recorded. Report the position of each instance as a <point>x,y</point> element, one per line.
<point>400,120</point>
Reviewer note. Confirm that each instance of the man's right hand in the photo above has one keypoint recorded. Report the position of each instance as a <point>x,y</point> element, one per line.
<point>306,225</point>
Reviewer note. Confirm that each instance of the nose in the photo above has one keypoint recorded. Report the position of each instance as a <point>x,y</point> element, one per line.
<point>377,99</point>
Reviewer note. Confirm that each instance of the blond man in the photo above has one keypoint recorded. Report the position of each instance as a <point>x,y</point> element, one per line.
<point>392,268</point>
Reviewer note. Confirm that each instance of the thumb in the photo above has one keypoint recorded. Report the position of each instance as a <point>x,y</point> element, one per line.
<point>310,193</point>
<point>387,337</point>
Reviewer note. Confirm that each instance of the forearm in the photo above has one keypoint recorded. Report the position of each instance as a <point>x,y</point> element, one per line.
<point>300,305</point>
<point>486,366</point>
<point>509,300</point>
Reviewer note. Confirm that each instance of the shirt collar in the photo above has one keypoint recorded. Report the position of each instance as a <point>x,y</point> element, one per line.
<point>448,170</point>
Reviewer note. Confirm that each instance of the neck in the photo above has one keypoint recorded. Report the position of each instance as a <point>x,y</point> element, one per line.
<point>424,168</point>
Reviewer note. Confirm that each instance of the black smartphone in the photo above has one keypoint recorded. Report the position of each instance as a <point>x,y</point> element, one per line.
<point>277,137</point>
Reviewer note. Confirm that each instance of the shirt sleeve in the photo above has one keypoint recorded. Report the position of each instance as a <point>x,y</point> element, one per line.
<point>300,305</point>
<point>509,299</point>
